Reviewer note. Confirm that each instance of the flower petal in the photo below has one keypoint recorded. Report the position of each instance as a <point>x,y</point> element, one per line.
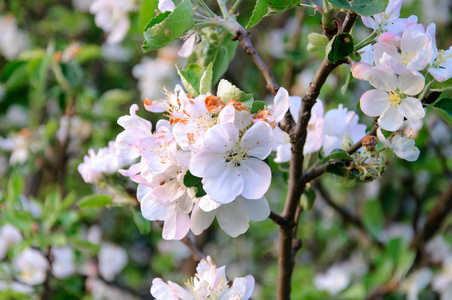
<point>412,109</point>
<point>221,137</point>
<point>411,82</point>
<point>258,139</point>
<point>256,176</point>
<point>391,119</point>
<point>233,218</point>
<point>374,102</point>
<point>201,220</point>
<point>225,185</point>
<point>281,104</point>
<point>258,209</point>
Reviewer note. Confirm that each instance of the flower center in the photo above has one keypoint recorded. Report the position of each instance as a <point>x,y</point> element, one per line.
<point>237,154</point>
<point>406,57</point>
<point>394,98</point>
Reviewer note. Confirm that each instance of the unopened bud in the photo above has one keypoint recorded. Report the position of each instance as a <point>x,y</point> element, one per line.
<point>34,227</point>
<point>370,142</point>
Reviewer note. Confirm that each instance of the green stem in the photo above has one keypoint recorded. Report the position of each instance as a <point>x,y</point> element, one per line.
<point>426,87</point>
<point>234,7</point>
<point>368,40</point>
<point>224,9</point>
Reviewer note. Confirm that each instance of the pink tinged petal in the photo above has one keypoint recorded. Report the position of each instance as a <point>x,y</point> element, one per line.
<point>393,8</point>
<point>414,40</point>
<point>380,48</point>
<point>392,63</point>
<point>411,82</point>
<point>226,184</point>
<point>119,30</point>
<point>359,70</point>
<point>382,138</point>
<point>284,153</point>
<point>382,78</point>
<point>421,60</point>
<point>294,106</point>
<point>166,5</point>
<point>233,218</point>
<point>221,138</point>
<point>258,209</point>
<point>142,190</point>
<point>169,191</point>
<point>440,74</point>
<point>126,143</point>
<point>161,291</point>
<point>187,48</point>
<point>180,292</point>
<point>281,104</point>
<point>412,109</point>
<point>177,226</point>
<point>157,106</point>
<point>391,119</point>
<point>259,140</point>
<point>369,22</point>
<point>250,282</point>
<point>133,170</point>
<point>153,209</point>
<point>201,220</point>
<point>257,177</point>
<point>334,122</point>
<point>313,142</point>
<point>374,102</point>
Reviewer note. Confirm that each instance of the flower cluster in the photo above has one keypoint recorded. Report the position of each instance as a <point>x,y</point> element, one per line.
<point>210,282</point>
<point>397,65</point>
<point>329,131</point>
<point>206,161</point>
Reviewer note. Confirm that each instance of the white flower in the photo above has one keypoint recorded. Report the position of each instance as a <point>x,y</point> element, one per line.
<point>31,266</point>
<point>209,282</point>
<point>12,39</point>
<point>443,280</point>
<point>403,147</point>
<point>441,68</point>
<point>111,16</point>
<point>389,101</point>
<point>189,45</point>
<point>282,145</point>
<point>63,262</point>
<point>438,249</point>
<point>105,161</point>
<point>9,236</point>
<point>335,280</point>
<point>112,259</point>
<point>232,167</point>
<point>416,283</point>
<point>233,217</point>
<point>416,50</point>
<point>166,5</point>
<point>389,19</point>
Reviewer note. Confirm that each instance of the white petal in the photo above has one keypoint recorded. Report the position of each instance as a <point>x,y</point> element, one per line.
<point>284,153</point>
<point>258,139</point>
<point>221,137</point>
<point>258,209</point>
<point>225,185</point>
<point>153,209</point>
<point>391,119</point>
<point>382,78</point>
<point>205,162</point>
<point>187,48</point>
<point>281,104</point>
<point>294,105</point>
<point>177,226</point>
<point>411,82</point>
<point>201,220</point>
<point>207,204</point>
<point>374,102</point>
<point>166,5</point>
<point>257,177</point>
<point>412,109</point>
<point>233,218</point>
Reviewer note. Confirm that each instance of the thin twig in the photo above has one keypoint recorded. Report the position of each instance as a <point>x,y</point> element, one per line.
<point>276,218</point>
<point>195,252</point>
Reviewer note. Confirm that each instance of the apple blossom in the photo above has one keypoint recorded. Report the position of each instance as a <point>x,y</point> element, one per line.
<point>390,100</point>
<point>9,236</point>
<point>209,282</point>
<point>402,146</point>
<point>12,39</point>
<point>166,5</point>
<point>112,259</point>
<point>63,264</point>
<point>31,266</point>
<point>232,167</point>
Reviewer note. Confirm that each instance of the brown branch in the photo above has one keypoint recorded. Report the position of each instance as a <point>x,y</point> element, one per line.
<point>241,35</point>
<point>278,219</point>
<point>296,183</point>
<point>195,252</point>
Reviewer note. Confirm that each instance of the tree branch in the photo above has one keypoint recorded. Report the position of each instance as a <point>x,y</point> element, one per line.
<point>195,252</point>
<point>296,183</point>
<point>277,219</point>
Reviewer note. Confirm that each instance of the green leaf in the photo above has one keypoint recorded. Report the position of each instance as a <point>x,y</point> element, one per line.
<point>143,225</point>
<point>257,106</point>
<point>373,218</point>
<point>168,26</point>
<point>191,181</point>
<point>338,169</point>
<point>52,209</point>
<point>95,201</point>
<point>362,7</point>
<point>147,11</point>
<point>84,245</point>
<point>444,108</point>
<point>307,198</point>
<point>339,47</point>
<point>227,91</point>
<point>214,48</point>
<point>317,41</point>
<point>265,8</point>
<point>336,154</point>
<point>191,78</point>
<point>89,52</point>
<point>441,86</point>
<point>396,248</point>
<point>17,76</point>
<point>205,86</point>
<point>19,220</point>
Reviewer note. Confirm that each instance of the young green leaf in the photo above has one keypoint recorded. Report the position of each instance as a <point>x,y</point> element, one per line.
<point>308,198</point>
<point>339,47</point>
<point>444,108</point>
<point>143,225</point>
<point>205,86</point>
<point>373,218</point>
<point>191,78</point>
<point>265,8</point>
<point>336,154</point>
<point>168,26</point>
<point>317,41</point>
<point>191,181</point>
<point>257,106</point>
<point>227,91</point>
<point>362,7</point>
<point>95,201</point>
